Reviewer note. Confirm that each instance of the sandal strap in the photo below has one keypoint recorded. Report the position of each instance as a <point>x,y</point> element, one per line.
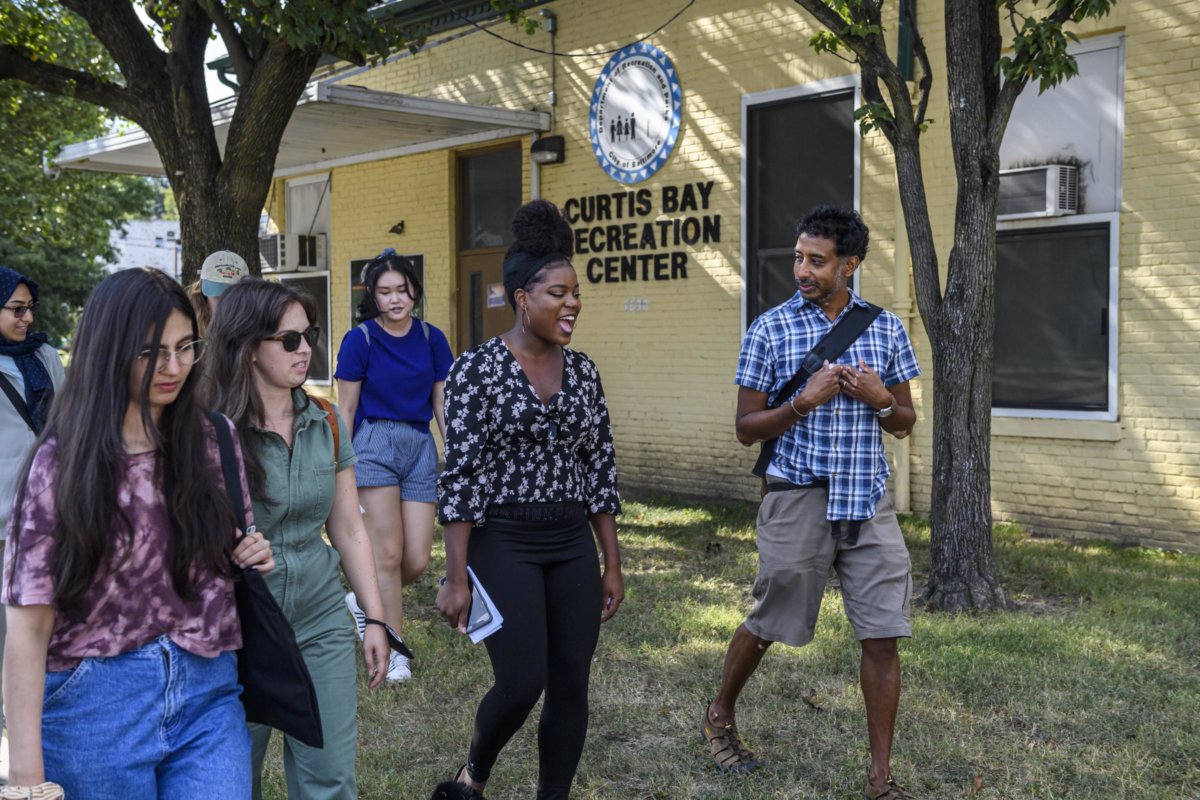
<point>888,790</point>
<point>725,746</point>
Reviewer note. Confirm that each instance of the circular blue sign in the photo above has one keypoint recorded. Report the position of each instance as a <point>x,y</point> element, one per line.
<point>637,106</point>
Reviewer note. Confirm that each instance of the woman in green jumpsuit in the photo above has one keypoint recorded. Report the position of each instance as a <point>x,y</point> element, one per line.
<point>300,467</point>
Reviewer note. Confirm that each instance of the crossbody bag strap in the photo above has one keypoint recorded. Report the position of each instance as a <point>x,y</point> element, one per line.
<point>830,347</point>
<point>18,402</point>
<point>229,468</point>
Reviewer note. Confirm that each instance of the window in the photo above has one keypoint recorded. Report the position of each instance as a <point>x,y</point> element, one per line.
<point>1056,278</point>
<point>801,149</point>
<point>308,204</point>
<point>1054,296</point>
<point>491,195</point>
<point>316,285</point>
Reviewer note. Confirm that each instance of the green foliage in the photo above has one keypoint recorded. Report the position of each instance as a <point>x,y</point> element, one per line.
<point>57,231</point>
<point>1039,46</point>
<point>870,116</point>
<point>51,34</point>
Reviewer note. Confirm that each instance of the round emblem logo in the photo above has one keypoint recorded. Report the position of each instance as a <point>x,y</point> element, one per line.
<point>636,110</point>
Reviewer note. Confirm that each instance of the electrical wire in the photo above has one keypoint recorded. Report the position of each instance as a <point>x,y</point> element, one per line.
<point>578,54</point>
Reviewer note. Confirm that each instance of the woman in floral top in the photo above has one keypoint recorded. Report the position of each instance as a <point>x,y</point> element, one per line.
<point>529,464</point>
<point>121,673</point>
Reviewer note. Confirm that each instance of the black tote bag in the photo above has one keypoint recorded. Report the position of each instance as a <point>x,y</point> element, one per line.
<point>277,689</point>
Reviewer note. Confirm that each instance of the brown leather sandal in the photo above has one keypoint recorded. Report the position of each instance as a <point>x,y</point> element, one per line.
<point>888,790</point>
<point>726,748</point>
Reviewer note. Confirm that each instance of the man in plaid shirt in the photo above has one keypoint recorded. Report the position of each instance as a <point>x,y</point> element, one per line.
<point>826,503</point>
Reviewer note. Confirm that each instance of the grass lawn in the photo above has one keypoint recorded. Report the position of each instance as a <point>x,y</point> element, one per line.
<point>1090,690</point>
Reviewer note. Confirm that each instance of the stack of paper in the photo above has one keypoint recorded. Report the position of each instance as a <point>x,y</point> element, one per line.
<point>484,618</point>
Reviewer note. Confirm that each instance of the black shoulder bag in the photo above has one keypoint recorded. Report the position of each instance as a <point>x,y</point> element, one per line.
<point>277,689</point>
<point>831,346</point>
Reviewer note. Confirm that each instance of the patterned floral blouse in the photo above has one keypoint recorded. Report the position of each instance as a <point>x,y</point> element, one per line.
<point>504,445</point>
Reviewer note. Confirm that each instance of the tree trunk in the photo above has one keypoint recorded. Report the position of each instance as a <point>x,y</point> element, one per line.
<point>221,199</point>
<point>962,573</point>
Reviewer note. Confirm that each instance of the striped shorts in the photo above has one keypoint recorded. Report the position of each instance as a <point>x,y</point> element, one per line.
<point>396,454</point>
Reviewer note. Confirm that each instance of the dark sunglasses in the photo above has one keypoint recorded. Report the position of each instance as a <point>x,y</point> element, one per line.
<point>291,339</point>
<point>19,311</point>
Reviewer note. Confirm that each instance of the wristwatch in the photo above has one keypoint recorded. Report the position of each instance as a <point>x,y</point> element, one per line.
<point>884,413</point>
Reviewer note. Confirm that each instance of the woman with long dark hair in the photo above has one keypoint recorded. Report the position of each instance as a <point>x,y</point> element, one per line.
<point>121,671</point>
<point>390,373</point>
<point>31,372</point>
<point>529,464</point>
<point>300,465</point>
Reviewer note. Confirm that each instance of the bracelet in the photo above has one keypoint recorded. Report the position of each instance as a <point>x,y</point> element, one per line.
<point>792,403</point>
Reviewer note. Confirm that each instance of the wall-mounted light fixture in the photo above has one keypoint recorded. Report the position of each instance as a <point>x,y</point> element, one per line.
<point>397,229</point>
<point>548,150</point>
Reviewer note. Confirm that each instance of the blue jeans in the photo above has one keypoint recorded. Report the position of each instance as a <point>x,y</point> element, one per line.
<point>151,724</point>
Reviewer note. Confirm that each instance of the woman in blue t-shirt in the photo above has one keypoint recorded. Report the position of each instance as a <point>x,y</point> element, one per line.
<point>390,372</point>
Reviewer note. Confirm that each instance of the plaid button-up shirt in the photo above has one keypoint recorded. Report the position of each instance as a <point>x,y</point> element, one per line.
<point>840,441</point>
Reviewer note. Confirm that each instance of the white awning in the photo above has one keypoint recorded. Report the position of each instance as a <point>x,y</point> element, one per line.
<point>333,125</point>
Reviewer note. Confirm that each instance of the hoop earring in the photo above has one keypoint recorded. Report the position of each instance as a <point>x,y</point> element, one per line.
<point>524,320</point>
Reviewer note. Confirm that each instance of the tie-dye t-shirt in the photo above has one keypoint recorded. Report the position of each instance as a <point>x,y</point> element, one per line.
<point>135,602</point>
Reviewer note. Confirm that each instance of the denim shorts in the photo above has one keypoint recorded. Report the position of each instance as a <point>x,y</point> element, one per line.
<point>396,454</point>
<point>156,722</point>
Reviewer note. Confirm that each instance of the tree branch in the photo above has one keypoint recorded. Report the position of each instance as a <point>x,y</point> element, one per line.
<point>16,64</point>
<point>243,63</point>
<point>116,25</point>
<point>871,93</point>
<point>925,85</point>
<point>265,105</point>
<point>1010,90</point>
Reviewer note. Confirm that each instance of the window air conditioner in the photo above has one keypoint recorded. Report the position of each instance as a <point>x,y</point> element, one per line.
<point>292,252</point>
<point>1047,191</point>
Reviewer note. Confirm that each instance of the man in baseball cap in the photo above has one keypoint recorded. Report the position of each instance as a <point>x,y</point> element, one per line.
<point>221,270</point>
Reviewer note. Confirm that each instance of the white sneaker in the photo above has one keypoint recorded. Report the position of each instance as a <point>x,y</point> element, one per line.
<point>399,669</point>
<point>360,616</point>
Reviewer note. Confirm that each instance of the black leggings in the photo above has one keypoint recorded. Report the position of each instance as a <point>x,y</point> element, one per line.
<point>544,578</point>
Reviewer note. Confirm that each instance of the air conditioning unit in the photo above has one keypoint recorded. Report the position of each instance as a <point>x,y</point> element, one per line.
<point>292,252</point>
<point>1047,191</point>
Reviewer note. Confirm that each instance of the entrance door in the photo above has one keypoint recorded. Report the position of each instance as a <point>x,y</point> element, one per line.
<point>489,193</point>
<point>483,311</point>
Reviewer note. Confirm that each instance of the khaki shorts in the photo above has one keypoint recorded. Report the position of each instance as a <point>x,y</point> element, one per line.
<point>795,552</point>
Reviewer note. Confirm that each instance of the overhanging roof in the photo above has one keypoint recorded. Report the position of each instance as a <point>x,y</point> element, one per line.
<point>332,125</point>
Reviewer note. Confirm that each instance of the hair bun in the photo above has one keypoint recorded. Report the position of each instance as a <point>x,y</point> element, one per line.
<point>540,230</point>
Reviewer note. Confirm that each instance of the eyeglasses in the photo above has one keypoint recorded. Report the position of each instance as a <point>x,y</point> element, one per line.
<point>291,339</point>
<point>185,356</point>
<point>20,310</point>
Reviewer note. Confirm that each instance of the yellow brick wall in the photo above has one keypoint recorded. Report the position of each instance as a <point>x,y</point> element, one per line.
<point>668,371</point>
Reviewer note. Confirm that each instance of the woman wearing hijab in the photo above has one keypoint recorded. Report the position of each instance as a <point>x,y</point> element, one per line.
<point>30,372</point>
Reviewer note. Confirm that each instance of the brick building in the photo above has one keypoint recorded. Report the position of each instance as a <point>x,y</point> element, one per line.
<point>1095,430</point>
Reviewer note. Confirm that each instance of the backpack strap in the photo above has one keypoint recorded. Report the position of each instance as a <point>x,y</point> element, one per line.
<point>332,422</point>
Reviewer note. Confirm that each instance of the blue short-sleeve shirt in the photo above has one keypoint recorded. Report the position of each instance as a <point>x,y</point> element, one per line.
<point>840,441</point>
<point>397,372</point>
